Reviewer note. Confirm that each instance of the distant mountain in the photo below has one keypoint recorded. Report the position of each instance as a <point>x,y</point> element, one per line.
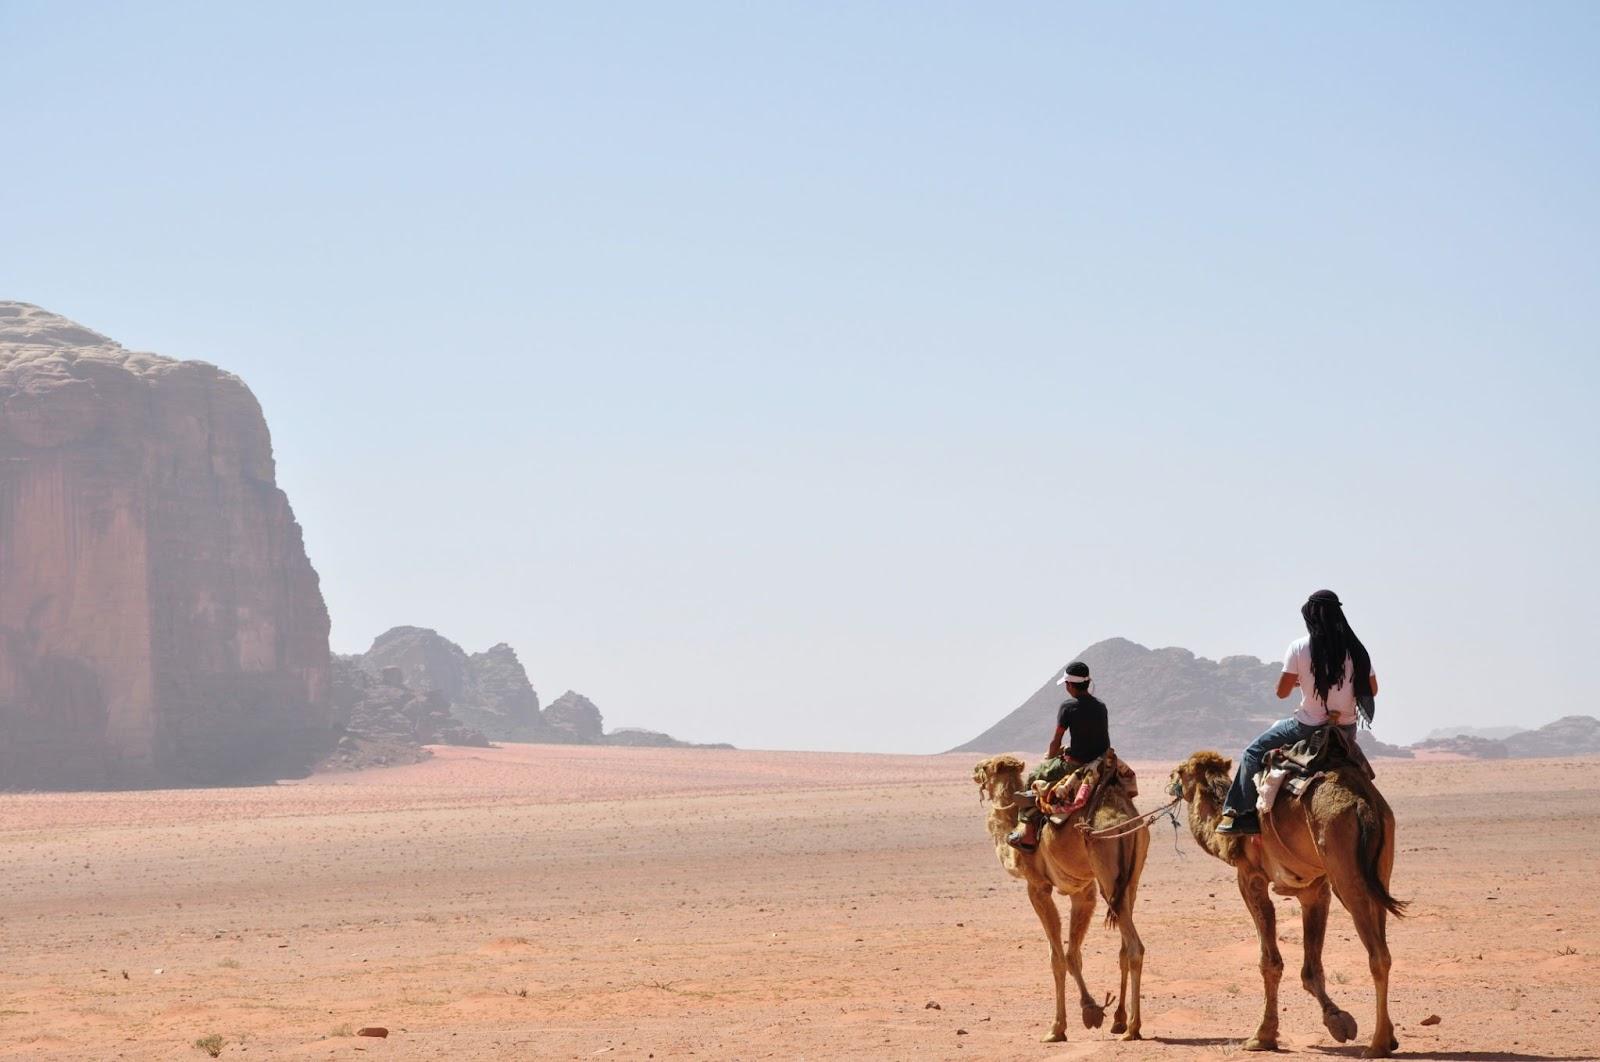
<point>1572,735</point>
<point>1164,703</point>
<point>1491,733</point>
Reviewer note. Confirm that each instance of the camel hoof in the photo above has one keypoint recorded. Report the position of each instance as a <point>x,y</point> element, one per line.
<point>1341,1024</point>
<point>1118,1026</point>
<point>1376,1052</point>
<point>1257,1044</point>
<point>1056,1036</point>
<point>1094,1017</point>
<point>1133,1034</point>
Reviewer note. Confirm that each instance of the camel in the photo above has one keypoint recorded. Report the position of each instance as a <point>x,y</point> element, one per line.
<point>1340,836</point>
<point>1066,860</point>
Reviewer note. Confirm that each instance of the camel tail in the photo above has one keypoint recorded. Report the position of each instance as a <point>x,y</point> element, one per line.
<point>1370,842</point>
<point>1127,850</point>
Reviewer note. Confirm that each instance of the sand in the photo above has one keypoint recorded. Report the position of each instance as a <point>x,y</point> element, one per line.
<point>493,904</point>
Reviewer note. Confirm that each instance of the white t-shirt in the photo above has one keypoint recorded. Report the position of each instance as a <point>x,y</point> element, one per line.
<point>1313,711</point>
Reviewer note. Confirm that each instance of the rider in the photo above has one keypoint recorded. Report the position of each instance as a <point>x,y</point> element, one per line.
<point>1328,666</point>
<point>1084,715</point>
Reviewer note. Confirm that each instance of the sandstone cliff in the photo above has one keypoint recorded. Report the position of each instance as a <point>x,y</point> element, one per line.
<point>159,619</point>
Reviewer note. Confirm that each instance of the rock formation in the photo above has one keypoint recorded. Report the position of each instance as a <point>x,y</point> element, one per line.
<point>1493,733</point>
<point>1571,735</point>
<point>159,619</point>
<point>490,692</point>
<point>572,718</point>
<point>379,720</point>
<point>1165,703</point>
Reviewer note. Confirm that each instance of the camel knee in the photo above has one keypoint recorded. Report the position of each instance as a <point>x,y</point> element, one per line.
<point>1271,967</point>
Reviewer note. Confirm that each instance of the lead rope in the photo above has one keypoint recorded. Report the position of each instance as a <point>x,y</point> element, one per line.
<point>1133,825</point>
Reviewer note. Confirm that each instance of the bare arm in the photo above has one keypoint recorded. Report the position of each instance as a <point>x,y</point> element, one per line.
<point>1055,744</point>
<point>1287,683</point>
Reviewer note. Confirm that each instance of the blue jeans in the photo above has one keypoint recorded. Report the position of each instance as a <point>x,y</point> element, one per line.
<point>1242,794</point>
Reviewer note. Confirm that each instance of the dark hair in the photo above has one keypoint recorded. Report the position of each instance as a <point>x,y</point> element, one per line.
<point>1332,643</point>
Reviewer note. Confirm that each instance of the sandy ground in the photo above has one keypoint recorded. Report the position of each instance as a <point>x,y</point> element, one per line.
<point>490,904</point>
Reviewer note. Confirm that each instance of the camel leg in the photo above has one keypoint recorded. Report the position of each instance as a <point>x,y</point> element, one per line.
<point>1045,906</point>
<point>1094,1015</point>
<point>1370,919</point>
<point>1253,887</point>
<point>1314,922</point>
<point>1132,968</point>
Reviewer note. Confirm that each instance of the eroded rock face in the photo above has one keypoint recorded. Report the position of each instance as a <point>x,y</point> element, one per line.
<point>159,619</point>
<point>489,691</point>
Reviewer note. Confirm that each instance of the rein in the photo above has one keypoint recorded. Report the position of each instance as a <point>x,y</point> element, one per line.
<point>1133,825</point>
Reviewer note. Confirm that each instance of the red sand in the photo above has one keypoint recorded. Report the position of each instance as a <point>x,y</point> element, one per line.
<point>486,904</point>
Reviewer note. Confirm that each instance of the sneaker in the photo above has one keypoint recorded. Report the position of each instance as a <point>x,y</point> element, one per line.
<point>1239,824</point>
<point>1018,839</point>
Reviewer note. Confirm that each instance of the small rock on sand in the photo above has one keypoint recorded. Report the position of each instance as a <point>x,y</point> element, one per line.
<point>373,1030</point>
<point>1432,1019</point>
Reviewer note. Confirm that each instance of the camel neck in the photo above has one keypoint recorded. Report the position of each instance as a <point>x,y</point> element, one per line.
<point>1204,812</point>
<point>1003,815</point>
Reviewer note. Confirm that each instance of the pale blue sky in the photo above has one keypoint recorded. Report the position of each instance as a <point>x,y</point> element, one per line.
<point>824,375</point>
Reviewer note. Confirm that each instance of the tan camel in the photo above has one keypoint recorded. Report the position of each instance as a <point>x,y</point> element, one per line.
<point>1067,861</point>
<point>1341,835</point>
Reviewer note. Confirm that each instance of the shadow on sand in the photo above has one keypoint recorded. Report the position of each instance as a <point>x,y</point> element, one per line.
<point>1354,1051</point>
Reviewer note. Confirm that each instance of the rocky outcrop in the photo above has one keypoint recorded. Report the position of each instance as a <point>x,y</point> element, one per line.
<point>159,619</point>
<point>572,718</point>
<point>380,721</point>
<point>639,737</point>
<point>426,660</point>
<point>490,692</point>
<point>1479,748</point>
<point>1165,703</point>
<point>1493,733</point>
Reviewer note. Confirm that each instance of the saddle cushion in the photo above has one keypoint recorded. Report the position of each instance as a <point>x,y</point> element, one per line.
<point>1083,789</point>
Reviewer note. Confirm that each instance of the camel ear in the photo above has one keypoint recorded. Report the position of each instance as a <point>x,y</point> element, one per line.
<point>1227,765</point>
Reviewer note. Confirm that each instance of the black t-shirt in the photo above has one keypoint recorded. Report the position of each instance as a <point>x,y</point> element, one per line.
<point>1085,719</point>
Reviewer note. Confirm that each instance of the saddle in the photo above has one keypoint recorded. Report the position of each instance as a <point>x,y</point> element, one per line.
<point>1297,768</point>
<point>1082,791</point>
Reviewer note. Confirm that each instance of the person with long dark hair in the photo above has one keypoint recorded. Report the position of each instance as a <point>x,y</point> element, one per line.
<point>1333,672</point>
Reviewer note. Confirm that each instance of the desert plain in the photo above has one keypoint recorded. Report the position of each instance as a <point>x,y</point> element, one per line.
<point>592,902</point>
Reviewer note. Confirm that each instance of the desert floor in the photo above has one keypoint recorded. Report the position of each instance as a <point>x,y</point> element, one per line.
<point>545,902</point>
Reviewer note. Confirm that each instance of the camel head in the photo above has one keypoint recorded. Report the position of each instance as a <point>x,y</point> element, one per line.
<point>997,778</point>
<point>1202,768</point>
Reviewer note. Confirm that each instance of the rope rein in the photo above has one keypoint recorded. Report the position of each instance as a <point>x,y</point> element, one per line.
<point>1133,825</point>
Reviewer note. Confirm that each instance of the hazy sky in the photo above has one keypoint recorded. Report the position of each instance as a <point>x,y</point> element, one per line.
<point>824,375</point>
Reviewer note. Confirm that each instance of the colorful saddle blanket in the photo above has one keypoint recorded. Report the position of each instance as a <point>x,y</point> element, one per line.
<point>1082,790</point>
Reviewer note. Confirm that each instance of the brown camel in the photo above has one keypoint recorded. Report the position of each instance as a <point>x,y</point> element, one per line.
<point>1341,835</point>
<point>1069,862</point>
